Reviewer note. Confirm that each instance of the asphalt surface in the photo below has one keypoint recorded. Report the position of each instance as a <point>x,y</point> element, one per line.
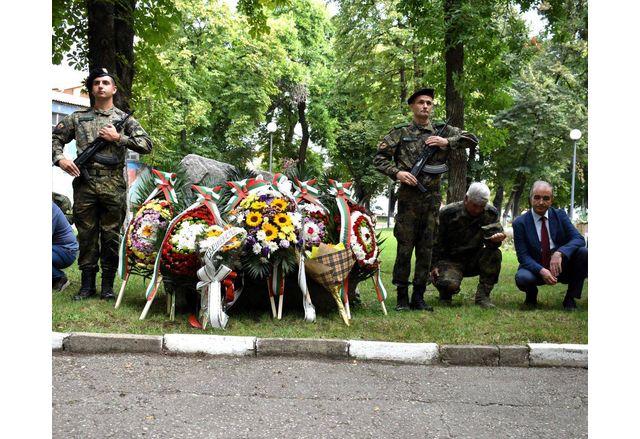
<point>165,396</point>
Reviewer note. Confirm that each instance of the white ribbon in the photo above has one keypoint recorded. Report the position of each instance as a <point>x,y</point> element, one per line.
<point>309,309</point>
<point>211,278</point>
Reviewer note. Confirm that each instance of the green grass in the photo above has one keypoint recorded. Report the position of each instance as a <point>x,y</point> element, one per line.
<point>464,323</point>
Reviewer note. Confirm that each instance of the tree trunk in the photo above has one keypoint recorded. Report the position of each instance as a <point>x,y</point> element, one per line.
<point>110,38</point>
<point>304,143</point>
<point>123,36</point>
<point>403,88</point>
<point>454,60</point>
<point>498,199</point>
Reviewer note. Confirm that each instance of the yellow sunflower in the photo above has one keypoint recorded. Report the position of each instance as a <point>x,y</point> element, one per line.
<point>253,219</point>
<point>282,220</point>
<point>279,204</point>
<point>270,231</point>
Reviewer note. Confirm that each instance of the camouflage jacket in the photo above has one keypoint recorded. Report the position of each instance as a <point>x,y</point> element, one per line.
<point>461,235</point>
<point>404,143</point>
<point>83,126</point>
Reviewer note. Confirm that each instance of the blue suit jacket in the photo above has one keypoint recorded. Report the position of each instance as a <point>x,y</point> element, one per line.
<point>564,235</point>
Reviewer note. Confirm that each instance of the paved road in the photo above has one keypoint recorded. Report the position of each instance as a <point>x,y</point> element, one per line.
<point>162,396</point>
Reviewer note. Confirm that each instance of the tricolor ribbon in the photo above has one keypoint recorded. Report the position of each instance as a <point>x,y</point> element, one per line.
<point>164,183</point>
<point>282,184</point>
<point>209,197</point>
<point>342,192</point>
<point>306,192</point>
<point>202,199</point>
<point>242,188</point>
<point>213,278</point>
<point>380,289</point>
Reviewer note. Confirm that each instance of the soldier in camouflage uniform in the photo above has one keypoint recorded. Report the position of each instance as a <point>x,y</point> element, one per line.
<point>417,217</point>
<point>467,244</point>
<point>64,203</point>
<point>99,205</point>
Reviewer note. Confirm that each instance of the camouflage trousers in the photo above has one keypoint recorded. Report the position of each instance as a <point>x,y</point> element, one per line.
<point>99,208</point>
<point>415,226</point>
<point>485,263</point>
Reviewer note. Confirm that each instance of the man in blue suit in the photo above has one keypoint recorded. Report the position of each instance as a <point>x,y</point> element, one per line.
<point>549,248</point>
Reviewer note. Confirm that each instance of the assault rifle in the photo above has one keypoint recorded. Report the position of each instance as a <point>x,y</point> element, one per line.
<point>421,164</point>
<point>89,153</point>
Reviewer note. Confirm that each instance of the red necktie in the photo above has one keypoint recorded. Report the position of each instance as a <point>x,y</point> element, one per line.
<point>544,240</point>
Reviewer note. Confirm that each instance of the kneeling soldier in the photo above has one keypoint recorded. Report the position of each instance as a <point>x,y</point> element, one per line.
<point>467,244</point>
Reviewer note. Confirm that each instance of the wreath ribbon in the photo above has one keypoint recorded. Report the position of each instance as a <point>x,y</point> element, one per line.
<point>305,191</point>
<point>342,192</point>
<point>164,183</point>
<point>213,278</point>
<point>242,188</point>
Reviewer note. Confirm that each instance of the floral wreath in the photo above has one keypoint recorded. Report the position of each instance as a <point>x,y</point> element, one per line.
<point>145,232</point>
<point>180,252</point>
<point>363,240</point>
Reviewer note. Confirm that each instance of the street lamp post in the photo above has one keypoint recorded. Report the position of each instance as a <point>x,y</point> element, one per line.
<point>271,128</point>
<point>575,136</point>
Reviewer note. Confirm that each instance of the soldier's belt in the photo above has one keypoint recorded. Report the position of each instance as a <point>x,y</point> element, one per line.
<point>95,172</point>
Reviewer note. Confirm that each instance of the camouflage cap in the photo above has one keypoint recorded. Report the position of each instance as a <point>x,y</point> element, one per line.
<point>97,73</point>
<point>421,92</point>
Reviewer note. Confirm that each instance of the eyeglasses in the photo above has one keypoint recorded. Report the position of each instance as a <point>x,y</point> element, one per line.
<point>542,197</point>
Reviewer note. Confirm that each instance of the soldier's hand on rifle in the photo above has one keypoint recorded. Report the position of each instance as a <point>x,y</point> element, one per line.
<point>407,178</point>
<point>109,133</point>
<point>69,167</point>
<point>437,141</point>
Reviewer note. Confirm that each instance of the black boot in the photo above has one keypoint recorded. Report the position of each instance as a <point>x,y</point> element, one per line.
<point>569,303</point>
<point>531,301</point>
<point>87,286</point>
<point>403,299</point>
<point>106,292</point>
<point>417,300</point>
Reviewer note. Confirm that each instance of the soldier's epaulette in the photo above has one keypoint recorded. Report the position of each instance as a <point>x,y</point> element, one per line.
<point>401,125</point>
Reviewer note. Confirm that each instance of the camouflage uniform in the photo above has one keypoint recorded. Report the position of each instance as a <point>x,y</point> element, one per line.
<point>463,250</point>
<point>64,203</point>
<point>417,217</point>
<point>99,205</point>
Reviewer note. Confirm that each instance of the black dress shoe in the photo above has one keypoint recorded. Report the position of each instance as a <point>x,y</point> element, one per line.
<point>84,294</point>
<point>107,295</point>
<point>421,305</point>
<point>529,306</point>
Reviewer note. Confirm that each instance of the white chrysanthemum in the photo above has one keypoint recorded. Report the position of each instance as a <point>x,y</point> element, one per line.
<point>256,248</point>
<point>261,235</point>
<point>310,231</point>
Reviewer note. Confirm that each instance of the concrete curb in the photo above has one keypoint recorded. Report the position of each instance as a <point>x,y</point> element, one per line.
<point>416,353</point>
<point>302,347</point>
<point>209,344</point>
<point>566,355</point>
<point>531,355</point>
<point>87,342</point>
